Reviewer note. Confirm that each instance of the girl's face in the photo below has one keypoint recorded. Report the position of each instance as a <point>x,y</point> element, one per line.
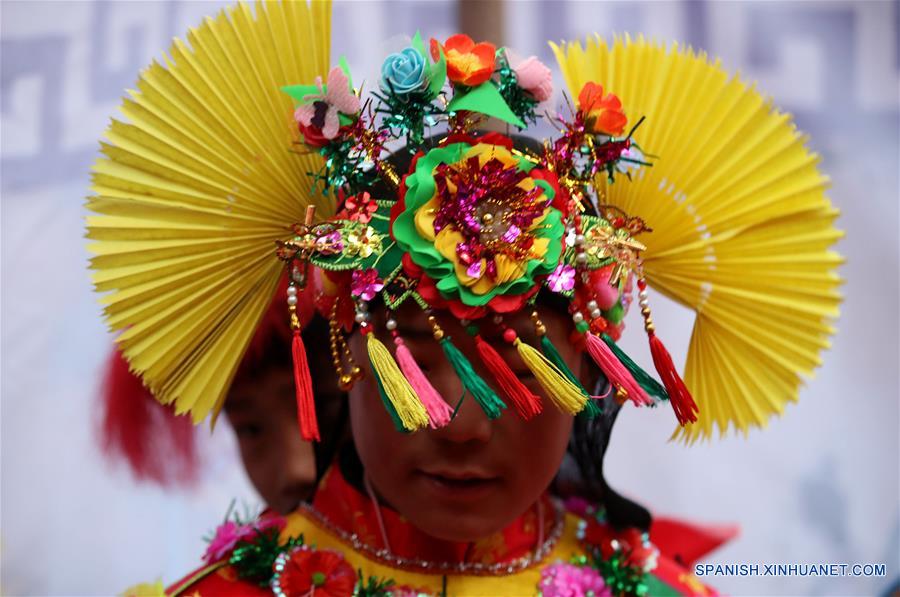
<point>475,476</point>
<point>263,413</point>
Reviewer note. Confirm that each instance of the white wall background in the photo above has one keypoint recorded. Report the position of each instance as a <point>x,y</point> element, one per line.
<point>819,486</point>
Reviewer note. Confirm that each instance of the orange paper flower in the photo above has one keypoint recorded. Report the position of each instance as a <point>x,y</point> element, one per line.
<point>468,63</point>
<point>602,113</point>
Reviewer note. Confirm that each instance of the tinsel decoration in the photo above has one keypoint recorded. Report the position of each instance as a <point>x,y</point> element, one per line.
<point>620,577</point>
<point>346,166</point>
<point>406,115</point>
<point>373,586</point>
<point>253,560</point>
<point>520,101</point>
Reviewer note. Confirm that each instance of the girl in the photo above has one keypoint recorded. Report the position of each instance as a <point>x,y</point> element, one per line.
<point>462,289</point>
<point>462,508</point>
<point>283,468</point>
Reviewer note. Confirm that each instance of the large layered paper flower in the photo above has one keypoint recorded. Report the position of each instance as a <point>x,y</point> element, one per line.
<point>478,225</point>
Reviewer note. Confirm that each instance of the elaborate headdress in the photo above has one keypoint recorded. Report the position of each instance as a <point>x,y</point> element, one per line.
<point>213,172</point>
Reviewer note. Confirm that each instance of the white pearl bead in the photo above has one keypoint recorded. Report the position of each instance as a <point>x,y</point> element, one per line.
<point>360,317</point>
<point>642,294</point>
<point>577,317</point>
<point>292,291</point>
<point>581,258</point>
<point>292,300</point>
<point>596,314</point>
<point>592,305</point>
<point>579,239</point>
<point>391,325</point>
<point>498,319</point>
<point>643,303</point>
<point>362,306</point>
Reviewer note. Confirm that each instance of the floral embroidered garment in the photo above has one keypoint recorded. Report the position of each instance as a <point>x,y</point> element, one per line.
<point>336,547</point>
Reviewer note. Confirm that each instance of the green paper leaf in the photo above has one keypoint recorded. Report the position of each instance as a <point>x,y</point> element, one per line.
<point>485,99</point>
<point>438,75</point>
<point>345,66</point>
<point>419,45</point>
<point>437,71</point>
<point>298,92</point>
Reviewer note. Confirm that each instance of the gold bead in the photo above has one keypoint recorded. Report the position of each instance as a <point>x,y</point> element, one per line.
<point>645,311</point>
<point>621,395</point>
<point>487,218</point>
<point>357,373</point>
<point>540,330</point>
<point>438,334</point>
<point>345,383</point>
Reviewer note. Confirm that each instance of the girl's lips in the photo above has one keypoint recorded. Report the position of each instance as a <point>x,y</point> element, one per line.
<point>456,485</point>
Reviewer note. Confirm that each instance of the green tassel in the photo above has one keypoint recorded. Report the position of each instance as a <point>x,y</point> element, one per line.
<point>591,409</point>
<point>489,401</point>
<point>650,385</point>
<point>387,403</point>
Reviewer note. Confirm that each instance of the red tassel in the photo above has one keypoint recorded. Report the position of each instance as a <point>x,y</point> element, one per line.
<point>526,402</point>
<point>306,406</point>
<point>682,402</point>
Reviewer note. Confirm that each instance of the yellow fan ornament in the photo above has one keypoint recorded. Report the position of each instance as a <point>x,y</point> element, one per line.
<point>194,188</point>
<point>742,226</point>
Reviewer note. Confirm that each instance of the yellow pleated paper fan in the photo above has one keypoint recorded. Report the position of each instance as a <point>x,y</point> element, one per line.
<point>194,187</point>
<point>742,228</point>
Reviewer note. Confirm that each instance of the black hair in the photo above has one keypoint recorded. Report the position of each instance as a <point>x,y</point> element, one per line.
<point>582,471</point>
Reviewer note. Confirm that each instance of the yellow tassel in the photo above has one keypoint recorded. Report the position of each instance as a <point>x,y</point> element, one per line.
<point>409,408</point>
<point>567,396</point>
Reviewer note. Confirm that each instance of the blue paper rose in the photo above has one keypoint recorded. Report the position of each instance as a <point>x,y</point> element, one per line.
<point>404,72</point>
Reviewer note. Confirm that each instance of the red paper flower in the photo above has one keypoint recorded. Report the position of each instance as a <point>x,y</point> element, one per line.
<point>630,541</point>
<point>358,208</point>
<point>602,112</point>
<point>321,572</point>
<point>312,136</point>
<point>468,63</point>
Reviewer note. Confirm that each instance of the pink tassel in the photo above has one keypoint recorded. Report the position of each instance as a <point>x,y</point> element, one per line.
<point>306,405</point>
<point>439,412</point>
<point>614,370</point>
<point>679,397</point>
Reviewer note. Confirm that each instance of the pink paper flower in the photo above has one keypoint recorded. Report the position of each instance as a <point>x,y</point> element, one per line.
<point>231,532</point>
<point>568,580</point>
<point>533,76</point>
<point>562,279</point>
<point>365,284</point>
